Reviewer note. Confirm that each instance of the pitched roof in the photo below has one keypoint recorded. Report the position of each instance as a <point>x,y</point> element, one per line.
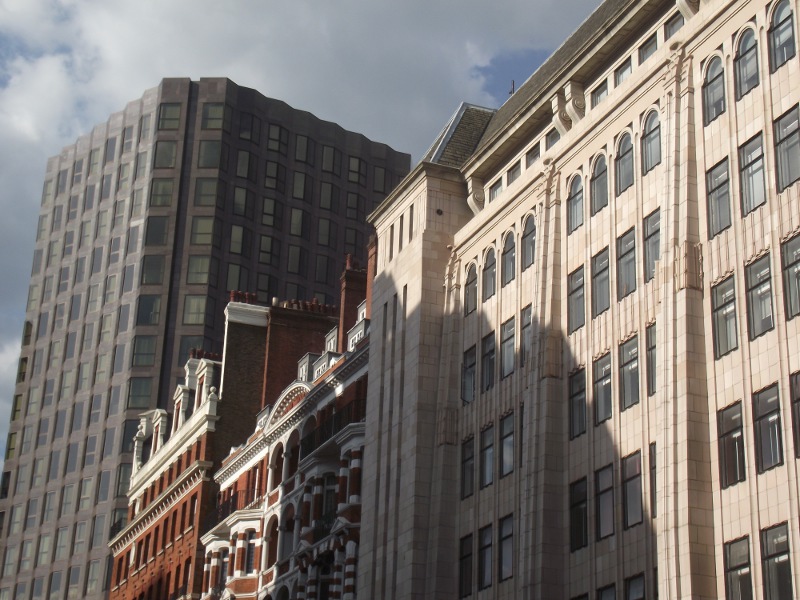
<point>460,137</point>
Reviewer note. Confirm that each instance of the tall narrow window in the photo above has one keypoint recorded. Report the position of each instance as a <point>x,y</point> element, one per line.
<point>767,422</point>
<point>794,390</point>
<point>624,164</point>
<point>626,264</point>
<point>731,446</point>
<point>600,284</point>
<point>467,468</point>
<point>601,372</point>
<point>650,341</point>
<point>505,548</point>
<point>507,348</point>
<point>651,143</point>
<point>598,185</point>
<point>775,564</point>
<point>653,496</point>
<point>652,243</point>
<point>487,362</point>
<point>578,515</point>
<point>632,490</point>
<point>471,290</point>
<point>487,457</point>
<point>575,204</point>
<point>604,501</point>
<point>719,209</point>
<point>781,36</point>
<point>495,189</point>
<point>790,256</point>
<point>751,175</point>
<point>738,584</point>
<point>465,567</point>
<point>508,259</point>
<point>787,149</point>
<point>468,376</point>
<point>489,275</point>
<point>525,335</point>
<point>575,302</point>
<point>506,445</point>
<point>577,404</point>
<point>746,64</point>
<point>723,317</point>
<point>759,297</point>
<point>485,557</point>
<point>629,373</point>
<point>528,243</point>
<point>713,91</point>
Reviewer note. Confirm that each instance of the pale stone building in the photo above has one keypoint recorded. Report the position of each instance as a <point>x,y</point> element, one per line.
<point>585,368</point>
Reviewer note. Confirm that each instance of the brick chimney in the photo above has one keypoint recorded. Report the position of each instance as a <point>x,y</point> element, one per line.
<point>354,290</point>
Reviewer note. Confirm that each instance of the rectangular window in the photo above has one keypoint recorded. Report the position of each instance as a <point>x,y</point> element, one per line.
<point>507,355</point>
<point>775,563</point>
<point>578,515</point>
<point>731,445</point>
<point>205,192</point>
<point>551,138</point>
<point>787,149</point>
<point>213,115</point>
<point>468,374</point>
<point>601,371</point>
<point>467,468</point>
<point>629,373</point>
<point>487,362</point>
<point>194,310</point>
<point>626,264</point>
<point>166,154</point>
<point>719,209</point>
<point>575,302</point>
<point>278,139</point>
<point>505,548</point>
<point>169,115</point>
<point>202,230</point>
<point>144,351</point>
<point>767,423</point>
<point>738,582</point>
<point>622,72</point>
<point>495,189</point>
<point>465,567</point>
<point>485,557</point>
<point>650,341</point>
<point>506,445</point>
<point>648,48</point>
<point>152,269</point>
<point>759,297</point>
<point>577,404</point>
<point>652,239</point>
<point>600,283</point>
<point>604,501</point>
<point>532,155</point>
<point>155,235</point>
<point>790,258</point>
<point>487,457</point>
<point>632,490</point>
<point>723,316</point>
<point>513,173</point>
<point>599,93</point>
<point>209,155</point>
<point>161,192</point>
<point>751,175</point>
<point>201,270</point>
<point>525,335</point>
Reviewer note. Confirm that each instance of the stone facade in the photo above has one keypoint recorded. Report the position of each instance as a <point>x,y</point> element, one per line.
<point>585,353</point>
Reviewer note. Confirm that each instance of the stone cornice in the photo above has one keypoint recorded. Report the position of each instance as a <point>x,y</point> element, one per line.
<point>191,477</point>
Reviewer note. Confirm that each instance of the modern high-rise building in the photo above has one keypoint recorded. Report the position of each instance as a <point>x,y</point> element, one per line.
<point>146,224</point>
<point>584,375</point>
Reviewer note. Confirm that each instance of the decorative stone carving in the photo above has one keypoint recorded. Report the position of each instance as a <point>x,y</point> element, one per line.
<point>689,267</point>
<point>688,8</point>
<point>475,195</point>
<point>561,120</point>
<point>575,101</point>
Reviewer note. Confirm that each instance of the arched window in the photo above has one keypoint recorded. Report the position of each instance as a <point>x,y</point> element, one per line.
<point>781,36</point>
<point>624,164</point>
<point>508,259</point>
<point>489,275</point>
<point>651,143</point>
<point>713,91</point>
<point>471,290</point>
<point>575,204</point>
<point>598,185</point>
<point>746,64</point>
<point>528,243</point>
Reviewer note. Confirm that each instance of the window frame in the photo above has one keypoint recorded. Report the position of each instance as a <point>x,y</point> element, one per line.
<point>489,275</point>
<point>713,91</point>
<point>578,514</point>
<point>623,164</point>
<point>745,64</point>
<point>471,290</point>
<point>758,284</point>
<point>507,347</point>
<point>604,502</point>
<point>651,142</point>
<point>632,497</point>
<point>775,31</point>
<point>767,426</point>
<point>751,173</point>
<point>731,446</point>
<point>602,397</point>
<point>629,373</point>
<point>576,388</point>
<point>508,260</point>
<point>723,311</point>
<point>597,183</point>
<point>601,283</point>
<point>787,148</point>
<point>528,243</point>
<point>626,263</point>
<point>576,311</point>
<point>488,353</point>
<point>780,559</point>
<point>575,203</point>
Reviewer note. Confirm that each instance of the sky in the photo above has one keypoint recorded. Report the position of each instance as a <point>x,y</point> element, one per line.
<point>393,70</point>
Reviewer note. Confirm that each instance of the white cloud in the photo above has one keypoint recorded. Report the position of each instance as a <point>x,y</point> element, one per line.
<point>394,71</point>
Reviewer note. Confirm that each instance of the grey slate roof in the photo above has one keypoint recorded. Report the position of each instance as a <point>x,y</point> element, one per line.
<point>460,137</point>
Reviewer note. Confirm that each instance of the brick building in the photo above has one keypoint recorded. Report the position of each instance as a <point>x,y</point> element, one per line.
<point>158,553</point>
<point>290,500</point>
